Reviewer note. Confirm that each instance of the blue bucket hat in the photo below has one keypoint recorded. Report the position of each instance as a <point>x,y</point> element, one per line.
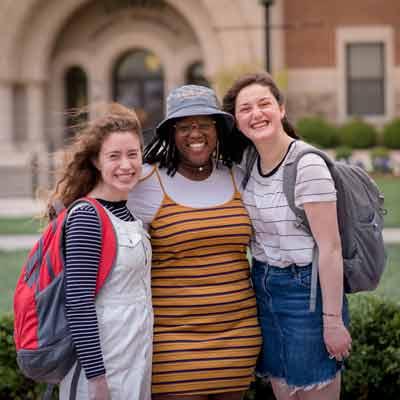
<point>190,100</point>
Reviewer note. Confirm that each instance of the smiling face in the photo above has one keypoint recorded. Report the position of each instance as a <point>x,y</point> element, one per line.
<point>258,114</point>
<point>195,139</point>
<point>120,165</point>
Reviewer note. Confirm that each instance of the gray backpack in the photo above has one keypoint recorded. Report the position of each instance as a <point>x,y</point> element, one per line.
<point>360,217</point>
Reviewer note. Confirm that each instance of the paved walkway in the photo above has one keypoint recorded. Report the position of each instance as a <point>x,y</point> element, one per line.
<point>20,207</point>
<point>26,207</point>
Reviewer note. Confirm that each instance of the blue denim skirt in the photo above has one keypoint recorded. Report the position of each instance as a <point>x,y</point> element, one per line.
<point>293,348</point>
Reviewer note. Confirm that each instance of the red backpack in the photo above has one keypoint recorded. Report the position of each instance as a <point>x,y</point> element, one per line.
<point>45,352</point>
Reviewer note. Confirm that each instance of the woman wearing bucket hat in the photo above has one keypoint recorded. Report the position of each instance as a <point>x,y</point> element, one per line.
<point>206,335</point>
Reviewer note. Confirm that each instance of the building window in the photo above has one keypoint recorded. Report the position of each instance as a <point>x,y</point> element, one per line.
<point>76,97</point>
<point>195,75</point>
<point>138,83</point>
<point>365,79</point>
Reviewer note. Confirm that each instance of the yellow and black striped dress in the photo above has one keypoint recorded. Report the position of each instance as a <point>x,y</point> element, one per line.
<point>206,334</point>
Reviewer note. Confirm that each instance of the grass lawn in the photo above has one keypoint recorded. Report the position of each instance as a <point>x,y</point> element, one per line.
<point>11,265</point>
<point>20,225</point>
<point>389,286</point>
<point>390,187</point>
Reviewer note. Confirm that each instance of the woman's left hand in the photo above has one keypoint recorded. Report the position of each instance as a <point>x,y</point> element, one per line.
<point>337,338</point>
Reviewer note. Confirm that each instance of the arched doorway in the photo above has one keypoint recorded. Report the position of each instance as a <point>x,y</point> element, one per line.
<point>138,82</point>
<point>76,97</point>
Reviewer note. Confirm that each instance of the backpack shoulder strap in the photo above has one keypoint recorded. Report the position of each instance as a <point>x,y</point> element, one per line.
<point>299,149</point>
<point>289,181</point>
<point>109,243</point>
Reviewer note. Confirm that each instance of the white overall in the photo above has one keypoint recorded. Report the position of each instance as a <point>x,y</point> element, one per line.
<point>125,318</point>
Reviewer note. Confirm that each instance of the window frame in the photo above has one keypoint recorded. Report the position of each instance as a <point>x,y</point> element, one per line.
<point>381,80</point>
<point>362,35</point>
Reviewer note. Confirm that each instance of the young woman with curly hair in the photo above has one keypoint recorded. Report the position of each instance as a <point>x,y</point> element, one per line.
<point>111,332</point>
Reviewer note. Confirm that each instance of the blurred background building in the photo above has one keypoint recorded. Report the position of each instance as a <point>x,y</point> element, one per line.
<point>337,59</point>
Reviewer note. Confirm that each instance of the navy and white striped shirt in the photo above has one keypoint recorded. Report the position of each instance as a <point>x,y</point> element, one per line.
<point>82,256</point>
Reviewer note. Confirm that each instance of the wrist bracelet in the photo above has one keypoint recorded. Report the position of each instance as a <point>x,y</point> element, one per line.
<point>331,315</point>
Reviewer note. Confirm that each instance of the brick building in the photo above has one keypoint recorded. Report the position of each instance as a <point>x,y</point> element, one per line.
<point>336,59</point>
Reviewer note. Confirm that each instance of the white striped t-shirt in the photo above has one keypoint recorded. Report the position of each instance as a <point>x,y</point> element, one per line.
<point>276,239</point>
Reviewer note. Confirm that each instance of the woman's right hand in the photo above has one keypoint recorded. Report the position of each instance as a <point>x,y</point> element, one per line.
<point>337,338</point>
<point>98,388</point>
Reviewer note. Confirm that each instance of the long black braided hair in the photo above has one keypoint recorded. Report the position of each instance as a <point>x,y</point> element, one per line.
<point>162,148</point>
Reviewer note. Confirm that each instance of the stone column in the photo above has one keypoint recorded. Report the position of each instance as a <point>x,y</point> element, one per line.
<point>35,115</point>
<point>6,117</point>
<point>36,140</point>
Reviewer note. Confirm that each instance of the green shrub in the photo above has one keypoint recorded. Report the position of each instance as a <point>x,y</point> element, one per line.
<point>358,134</point>
<point>318,131</point>
<point>343,153</point>
<point>391,134</point>
<point>13,385</point>
<point>373,370</point>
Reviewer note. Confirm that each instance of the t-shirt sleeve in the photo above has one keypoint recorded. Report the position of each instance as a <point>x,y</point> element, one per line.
<point>314,182</point>
<point>146,197</point>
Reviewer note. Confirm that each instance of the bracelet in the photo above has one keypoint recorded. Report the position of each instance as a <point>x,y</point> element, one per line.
<point>331,315</point>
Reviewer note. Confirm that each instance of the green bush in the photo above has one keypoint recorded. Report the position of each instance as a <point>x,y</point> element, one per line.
<point>343,153</point>
<point>358,134</point>
<point>317,131</point>
<point>391,134</point>
<point>13,385</point>
<point>373,370</point>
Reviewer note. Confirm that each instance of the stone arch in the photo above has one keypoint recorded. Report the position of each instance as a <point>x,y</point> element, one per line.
<point>34,41</point>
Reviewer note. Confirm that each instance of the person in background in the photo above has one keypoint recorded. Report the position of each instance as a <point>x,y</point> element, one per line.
<point>112,333</point>
<point>206,334</point>
<point>303,351</point>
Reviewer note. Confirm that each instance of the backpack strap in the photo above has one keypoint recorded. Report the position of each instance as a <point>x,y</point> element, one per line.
<point>109,243</point>
<point>74,382</point>
<point>289,182</point>
<point>290,175</point>
<point>49,391</point>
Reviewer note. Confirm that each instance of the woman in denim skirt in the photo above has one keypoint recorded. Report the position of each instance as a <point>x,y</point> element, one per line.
<point>303,349</point>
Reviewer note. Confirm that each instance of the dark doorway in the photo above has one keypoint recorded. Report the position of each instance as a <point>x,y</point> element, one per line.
<point>138,83</point>
<point>76,97</point>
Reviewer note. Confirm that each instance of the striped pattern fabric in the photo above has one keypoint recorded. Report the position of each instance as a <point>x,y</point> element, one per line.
<point>277,239</point>
<point>206,334</point>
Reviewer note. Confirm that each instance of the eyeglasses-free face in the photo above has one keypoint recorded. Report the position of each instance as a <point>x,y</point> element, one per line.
<point>185,128</point>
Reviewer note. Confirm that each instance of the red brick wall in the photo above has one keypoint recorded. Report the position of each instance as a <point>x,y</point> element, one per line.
<point>310,27</point>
